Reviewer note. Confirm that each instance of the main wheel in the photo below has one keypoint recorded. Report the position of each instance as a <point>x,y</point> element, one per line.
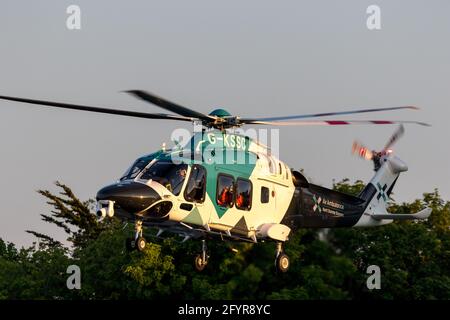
<point>130,244</point>
<point>282,263</point>
<point>140,243</point>
<point>199,263</point>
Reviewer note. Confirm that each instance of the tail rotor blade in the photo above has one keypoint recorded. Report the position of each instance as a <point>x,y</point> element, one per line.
<point>361,151</point>
<point>397,135</point>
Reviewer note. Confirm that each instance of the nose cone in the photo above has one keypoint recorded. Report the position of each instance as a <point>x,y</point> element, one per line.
<point>130,196</point>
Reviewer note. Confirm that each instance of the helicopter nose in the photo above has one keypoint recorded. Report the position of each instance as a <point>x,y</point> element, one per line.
<point>131,196</point>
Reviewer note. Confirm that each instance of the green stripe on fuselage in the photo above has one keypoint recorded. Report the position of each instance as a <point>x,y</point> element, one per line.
<point>219,153</point>
<point>238,169</point>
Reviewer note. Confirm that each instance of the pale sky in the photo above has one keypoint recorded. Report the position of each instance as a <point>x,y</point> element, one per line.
<point>253,58</point>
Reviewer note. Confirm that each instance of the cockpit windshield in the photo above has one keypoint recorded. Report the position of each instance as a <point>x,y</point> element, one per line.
<point>169,174</point>
<point>134,170</point>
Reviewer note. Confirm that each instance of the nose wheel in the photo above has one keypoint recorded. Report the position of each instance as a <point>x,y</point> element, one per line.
<point>201,260</point>
<point>282,262</point>
<point>138,242</point>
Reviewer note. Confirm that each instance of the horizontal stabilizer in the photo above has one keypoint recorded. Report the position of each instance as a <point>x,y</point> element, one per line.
<point>422,215</point>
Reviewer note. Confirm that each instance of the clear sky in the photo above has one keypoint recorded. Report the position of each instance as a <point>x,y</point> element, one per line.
<point>253,58</point>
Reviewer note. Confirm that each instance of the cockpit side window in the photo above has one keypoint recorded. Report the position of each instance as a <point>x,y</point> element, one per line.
<point>169,174</point>
<point>196,185</point>
<point>176,178</point>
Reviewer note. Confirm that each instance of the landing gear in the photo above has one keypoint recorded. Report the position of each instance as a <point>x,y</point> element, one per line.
<point>282,262</point>
<point>138,242</point>
<point>201,260</point>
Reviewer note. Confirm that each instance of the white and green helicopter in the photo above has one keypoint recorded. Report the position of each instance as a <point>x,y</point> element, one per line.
<point>229,186</point>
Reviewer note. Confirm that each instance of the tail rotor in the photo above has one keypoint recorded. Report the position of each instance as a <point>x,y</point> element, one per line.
<point>363,152</point>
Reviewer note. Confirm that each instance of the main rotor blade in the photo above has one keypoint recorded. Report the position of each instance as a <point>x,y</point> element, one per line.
<point>99,110</point>
<point>397,135</point>
<point>168,105</point>
<point>324,114</point>
<point>333,122</point>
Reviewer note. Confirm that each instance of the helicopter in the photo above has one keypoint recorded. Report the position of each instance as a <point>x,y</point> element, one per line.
<point>228,186</point>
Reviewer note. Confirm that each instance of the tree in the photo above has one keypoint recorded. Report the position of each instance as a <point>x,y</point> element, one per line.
<point>73,216</point>
<point>33,273</point>
<point>413,255</point>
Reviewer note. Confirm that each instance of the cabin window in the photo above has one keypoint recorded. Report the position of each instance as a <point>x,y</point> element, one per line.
<point>225,190</point>
<point>243,194</point>
<point>265,195</point>
<point>196,185</point>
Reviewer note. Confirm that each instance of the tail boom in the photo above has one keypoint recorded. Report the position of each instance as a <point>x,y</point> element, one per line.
<point>314,206</point>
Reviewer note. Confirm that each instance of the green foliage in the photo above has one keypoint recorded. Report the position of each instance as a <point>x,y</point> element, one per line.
<point>71,215</point>
<point>414,258</point>
<point>346,187</point>
<point>32,273</point>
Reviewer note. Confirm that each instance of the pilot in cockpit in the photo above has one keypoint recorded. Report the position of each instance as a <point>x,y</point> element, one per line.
<point>176,179</point>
